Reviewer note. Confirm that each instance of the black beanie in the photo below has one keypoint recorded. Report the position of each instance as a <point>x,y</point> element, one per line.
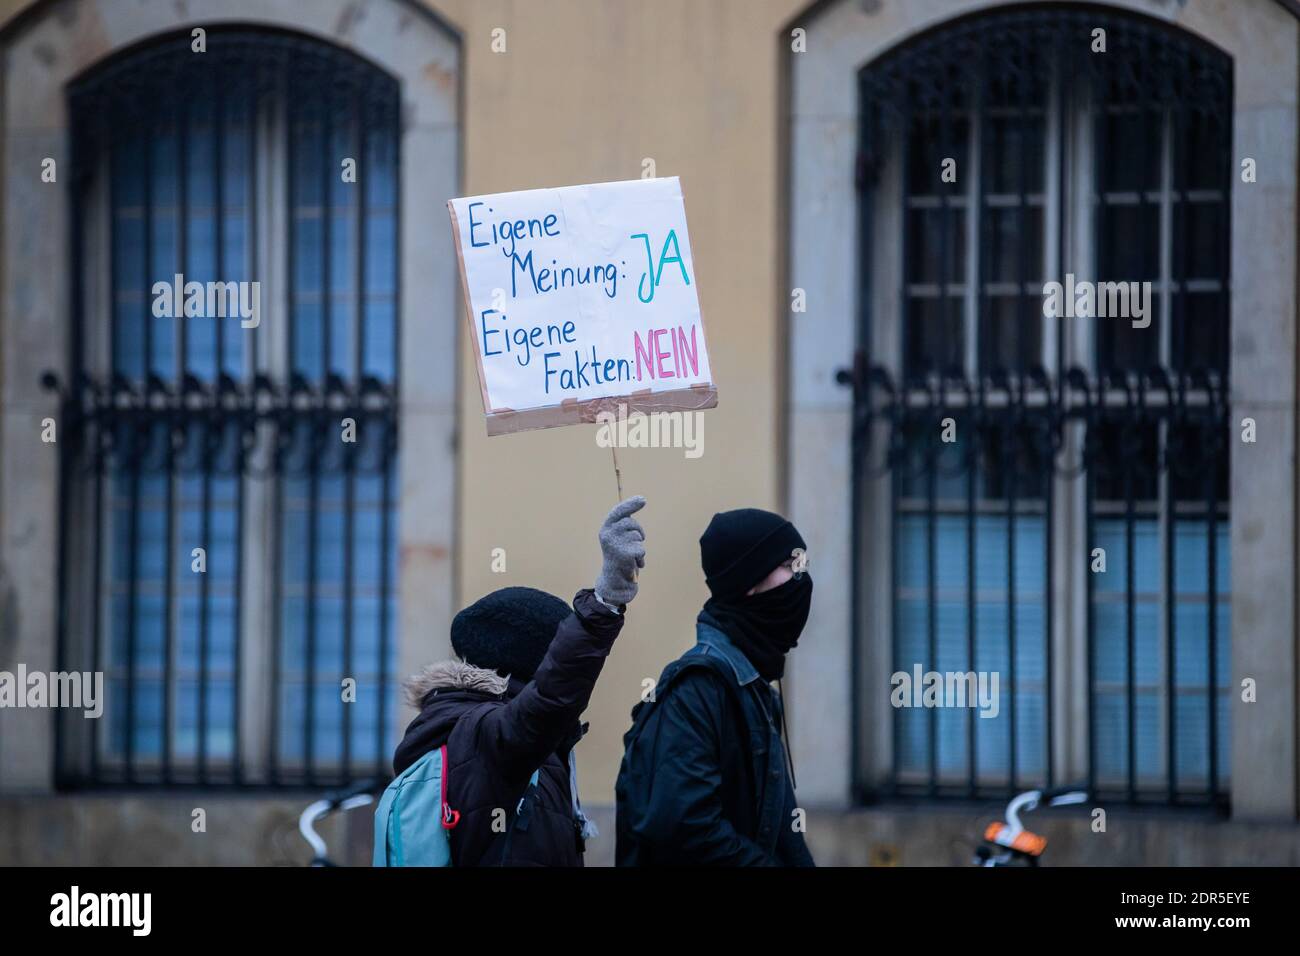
<point>740,548</point>
<point>508,631</point>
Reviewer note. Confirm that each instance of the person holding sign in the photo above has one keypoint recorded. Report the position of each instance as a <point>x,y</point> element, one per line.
<point>705,778</point>
<point>507,712</point>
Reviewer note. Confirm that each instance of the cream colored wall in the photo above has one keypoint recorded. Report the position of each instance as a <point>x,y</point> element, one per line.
<point>585,91</point>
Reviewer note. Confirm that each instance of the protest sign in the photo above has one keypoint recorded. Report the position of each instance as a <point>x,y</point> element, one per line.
<point>581,299</point>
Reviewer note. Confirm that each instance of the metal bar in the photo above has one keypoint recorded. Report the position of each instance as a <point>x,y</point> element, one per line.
<point>349,568</point>
<point>1171,606</point>
<point>384,545</point>
<point>1029,318</point>
<point>973,436</point>
<point>218,200</point>
<point>895,480</point>
<point>169,609</point>
<point>101,514</point>
<point>1049,494</point>
<point>277,620</point>
<point>181,119</point>
<point>67,460</point>
<point>864,421</point>
<point>1227,171</point>
<point>1027,315</point>
<point>932,597</point>
<point>904,260</point>
<point>1064,125</point>
<point>349,517</point>
<point>359,280</point>
<point>389,533</point>
<point>932,466</point>
<point>133,571</point>
<point>1212,629</point>
<point>945,220</point>
<point>1009,455</point>
<point>237,764</point>
<point>147,213</point>
<point>1090,615</point>
<point>1130,627</point>
<point>394,129</point>
<point>277,669</point>
<point>134,563</point>
<point>1177,311</point>
<point>979,151</point>
<point>313,568</point>
<point>326,215</point>
<point>250,228</point>
<point>1091,441</point>
<point>97,607</point>
<point>205,609</point>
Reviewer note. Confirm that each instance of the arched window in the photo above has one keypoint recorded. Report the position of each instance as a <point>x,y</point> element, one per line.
<point>230,519</point>
<point>1053,457</point>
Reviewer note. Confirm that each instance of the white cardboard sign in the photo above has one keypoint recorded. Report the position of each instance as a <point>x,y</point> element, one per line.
<point>581,299</point>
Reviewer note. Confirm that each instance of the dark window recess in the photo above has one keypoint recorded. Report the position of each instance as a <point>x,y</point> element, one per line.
<point>192,432</point>
<point>1128,453</point>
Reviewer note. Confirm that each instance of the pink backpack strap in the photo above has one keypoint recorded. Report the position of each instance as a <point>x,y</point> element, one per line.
<point>450,817</point>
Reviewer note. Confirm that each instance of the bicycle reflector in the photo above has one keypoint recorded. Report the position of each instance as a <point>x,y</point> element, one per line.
<point>1030,844</point>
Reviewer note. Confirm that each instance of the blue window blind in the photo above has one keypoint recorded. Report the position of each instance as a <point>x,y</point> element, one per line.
<point>997,599</point>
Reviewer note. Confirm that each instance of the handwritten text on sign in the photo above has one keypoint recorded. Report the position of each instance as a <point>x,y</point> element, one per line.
<point>580,293</point>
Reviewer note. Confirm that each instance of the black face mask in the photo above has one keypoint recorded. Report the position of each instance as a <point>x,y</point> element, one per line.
<point>766,626</point>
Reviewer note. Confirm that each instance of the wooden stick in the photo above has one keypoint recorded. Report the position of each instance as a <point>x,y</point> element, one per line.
<point>618,474</point>
<point>618,479</point>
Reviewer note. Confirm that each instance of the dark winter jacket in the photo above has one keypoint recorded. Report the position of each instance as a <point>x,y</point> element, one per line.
<point>498,732</point>
<point>704,779</point>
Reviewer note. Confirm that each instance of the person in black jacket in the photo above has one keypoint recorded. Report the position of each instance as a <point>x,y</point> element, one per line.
<point>705,778</point>
<point>509,710</point>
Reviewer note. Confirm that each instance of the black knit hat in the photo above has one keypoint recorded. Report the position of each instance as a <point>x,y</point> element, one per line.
<point>739,548</point>
<point>508,631</point>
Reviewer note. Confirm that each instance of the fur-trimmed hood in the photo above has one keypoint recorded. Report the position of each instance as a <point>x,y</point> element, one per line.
<point>452,675</point>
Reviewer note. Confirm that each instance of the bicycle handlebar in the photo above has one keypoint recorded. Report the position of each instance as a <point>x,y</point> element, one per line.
<point>1030,799</point>
<point>346,799</point>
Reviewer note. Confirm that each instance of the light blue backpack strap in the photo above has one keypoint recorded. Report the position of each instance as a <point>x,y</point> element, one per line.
<point>395,830</point>
<point>383,814</point>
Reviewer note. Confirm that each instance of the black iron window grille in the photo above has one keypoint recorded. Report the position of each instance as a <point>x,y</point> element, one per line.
<point>229,505</point>
<point>1008,457</point>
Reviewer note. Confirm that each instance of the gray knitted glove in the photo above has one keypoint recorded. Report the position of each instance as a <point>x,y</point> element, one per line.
<point>621,542</point>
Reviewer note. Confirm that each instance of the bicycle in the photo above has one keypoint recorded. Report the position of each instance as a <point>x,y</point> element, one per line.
<point>1008,843</point>
<point>348,799</point>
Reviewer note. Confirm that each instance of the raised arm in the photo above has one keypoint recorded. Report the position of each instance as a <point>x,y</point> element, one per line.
<point>543,714</point>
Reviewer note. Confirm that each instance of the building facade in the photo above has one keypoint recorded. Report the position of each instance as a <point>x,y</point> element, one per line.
<point>1098,507</point>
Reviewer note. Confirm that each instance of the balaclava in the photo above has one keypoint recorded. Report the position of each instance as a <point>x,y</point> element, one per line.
<point>738,550</point>
<point>508,631</point>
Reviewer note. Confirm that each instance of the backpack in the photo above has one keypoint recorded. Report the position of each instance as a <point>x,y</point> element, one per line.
<point>413,821</point>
